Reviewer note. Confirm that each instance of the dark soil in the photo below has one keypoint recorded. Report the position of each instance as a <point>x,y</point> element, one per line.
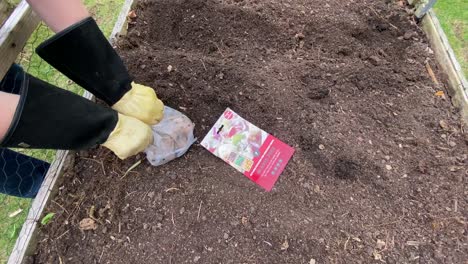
<point>388,184</point>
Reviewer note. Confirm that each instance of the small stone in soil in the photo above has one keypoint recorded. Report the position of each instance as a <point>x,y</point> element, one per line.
<point>244,220</point>
<point>409,34</point>
<point>285,245</point>
<point>443,124</point>
<point>388,167</point>
<point>226,236</point>
<point>380,244</point>
<point>375,60</point>
<point>299,36</point>
<point>452,144</point>
<point>317,189</point>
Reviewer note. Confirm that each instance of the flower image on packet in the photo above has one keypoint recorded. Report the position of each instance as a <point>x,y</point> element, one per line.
<point>260,156</point>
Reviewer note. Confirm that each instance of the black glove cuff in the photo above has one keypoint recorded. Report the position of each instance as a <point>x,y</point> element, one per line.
<point>53,118</point>
<point>84,55</point>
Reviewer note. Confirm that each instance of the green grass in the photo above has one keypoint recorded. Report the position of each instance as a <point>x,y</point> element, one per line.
<point>105,12</point>
<point>10,226</point>
<point>453,15</point>
<point>13,2</point>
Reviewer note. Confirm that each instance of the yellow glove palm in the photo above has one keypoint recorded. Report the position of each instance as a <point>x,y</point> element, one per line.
<point>130,137</point>
<point>142,103</point>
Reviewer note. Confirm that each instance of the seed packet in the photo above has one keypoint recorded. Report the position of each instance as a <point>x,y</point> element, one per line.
<point>260,156</point>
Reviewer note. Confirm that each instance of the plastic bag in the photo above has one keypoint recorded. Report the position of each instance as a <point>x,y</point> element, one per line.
<point>173,136</point>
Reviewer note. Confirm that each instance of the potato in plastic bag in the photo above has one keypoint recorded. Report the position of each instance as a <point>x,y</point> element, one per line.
<point>173,136</point>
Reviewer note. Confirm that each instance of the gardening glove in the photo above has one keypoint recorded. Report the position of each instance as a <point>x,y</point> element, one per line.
<point>142,103</point>
<point>48,117</point>
<point>129,137</point>
<point>84,55</point>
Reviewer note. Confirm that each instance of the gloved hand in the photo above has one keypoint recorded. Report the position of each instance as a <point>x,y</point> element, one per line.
<point>129,137</point>
<point>94,65</point>
<point>48,117</point>
<point>142,103</point>
<point>84,55</point>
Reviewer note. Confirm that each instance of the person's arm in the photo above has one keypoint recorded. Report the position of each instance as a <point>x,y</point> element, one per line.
<point>8,105</point>
<point>81,51</point>
<point>59,14</point>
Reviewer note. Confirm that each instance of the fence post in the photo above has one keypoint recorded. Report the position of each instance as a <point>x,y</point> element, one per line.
<point>14,34</point>
<point>424,7</point>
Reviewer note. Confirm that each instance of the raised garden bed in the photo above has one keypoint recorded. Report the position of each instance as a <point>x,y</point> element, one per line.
<point>380,168</point>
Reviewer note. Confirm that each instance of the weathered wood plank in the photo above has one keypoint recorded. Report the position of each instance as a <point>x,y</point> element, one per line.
<point>121,25</point>
<point>14,34</point>
<point>26,243</point>
<point>424,7</point>
<point>458,86</point>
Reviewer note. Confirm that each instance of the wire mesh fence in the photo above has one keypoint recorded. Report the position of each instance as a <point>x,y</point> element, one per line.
<point>27,166</point>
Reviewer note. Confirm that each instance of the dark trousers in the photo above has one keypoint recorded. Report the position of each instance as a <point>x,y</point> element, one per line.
<point>21,175</point>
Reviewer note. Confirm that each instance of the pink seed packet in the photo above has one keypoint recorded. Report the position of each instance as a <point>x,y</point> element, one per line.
<point>258,155</point>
